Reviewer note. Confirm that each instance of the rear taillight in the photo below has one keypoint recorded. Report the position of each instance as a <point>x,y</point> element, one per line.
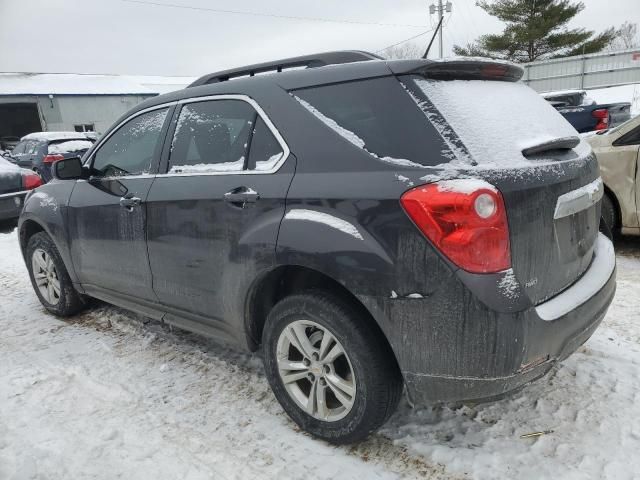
<point>31,180</point>
<point>466,220</point>
<point>49,159</point>
<point>602,115</point>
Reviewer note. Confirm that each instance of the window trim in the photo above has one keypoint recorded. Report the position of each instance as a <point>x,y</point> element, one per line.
<point>245,98</point>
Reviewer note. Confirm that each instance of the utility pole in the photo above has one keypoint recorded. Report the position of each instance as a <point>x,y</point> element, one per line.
<point>440,9</point>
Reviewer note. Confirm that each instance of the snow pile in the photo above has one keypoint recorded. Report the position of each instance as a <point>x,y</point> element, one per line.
<point>51,136</point>
<point>209,167</point>
<point>324,219</point>
<point>623,93</point>
<point>465,185</point>
<point>104,395</point>
<point>70,146</point>
<point>497,120</point>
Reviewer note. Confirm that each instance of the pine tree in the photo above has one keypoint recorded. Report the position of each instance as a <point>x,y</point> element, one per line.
<point>536,29</point>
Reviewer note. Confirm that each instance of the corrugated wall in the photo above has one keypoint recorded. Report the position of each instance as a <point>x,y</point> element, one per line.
<point>596,70</point>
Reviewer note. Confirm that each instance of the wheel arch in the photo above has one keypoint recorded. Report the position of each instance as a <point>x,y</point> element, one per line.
<point>616,206</point>
<point>286,280</point>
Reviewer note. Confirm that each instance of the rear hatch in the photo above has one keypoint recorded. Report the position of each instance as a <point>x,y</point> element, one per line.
<point>548,177</point>
<point>470,118</point>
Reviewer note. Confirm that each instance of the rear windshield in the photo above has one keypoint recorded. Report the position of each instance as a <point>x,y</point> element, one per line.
<point>378,116</point>
<point>494,120</point>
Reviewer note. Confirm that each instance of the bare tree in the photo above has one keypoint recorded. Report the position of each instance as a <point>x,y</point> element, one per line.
<point>625,37</point>
<point>407,50</point>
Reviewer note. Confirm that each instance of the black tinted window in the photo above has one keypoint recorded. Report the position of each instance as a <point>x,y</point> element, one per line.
<point>265,150</point>
<point>631,138</point>
<point>130,150</point>
<point>212,136</point>
<point>379,116</point>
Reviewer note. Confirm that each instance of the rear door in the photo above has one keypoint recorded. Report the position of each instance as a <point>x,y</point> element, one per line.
<point>107,213</point>
<point>213,217</point>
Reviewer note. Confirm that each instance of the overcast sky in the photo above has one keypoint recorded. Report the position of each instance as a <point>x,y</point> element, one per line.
<point>125,36</point>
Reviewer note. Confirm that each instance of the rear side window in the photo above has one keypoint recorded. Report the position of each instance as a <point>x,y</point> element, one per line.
<point>130,150</point>
<point>265,150</point>
<point>379,116</point>
<point>212,136</point>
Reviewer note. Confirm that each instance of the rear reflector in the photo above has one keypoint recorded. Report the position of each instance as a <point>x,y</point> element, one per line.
<point>602,115</point>
<point>465,220</point>
<point>49,159</point>
<point>31,180</point>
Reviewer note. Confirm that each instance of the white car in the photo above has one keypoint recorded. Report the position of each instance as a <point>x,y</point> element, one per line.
<point>617,151</point>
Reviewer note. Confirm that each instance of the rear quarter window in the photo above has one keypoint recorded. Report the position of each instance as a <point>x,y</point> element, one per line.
<point>379,116</point>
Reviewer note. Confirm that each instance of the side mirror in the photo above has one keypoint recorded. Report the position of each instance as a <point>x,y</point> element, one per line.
<point>69,169</point>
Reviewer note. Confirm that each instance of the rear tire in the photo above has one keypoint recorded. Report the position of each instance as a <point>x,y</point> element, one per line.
<point>50,278</point>
<point>609,215</point>
<point>359,388</point>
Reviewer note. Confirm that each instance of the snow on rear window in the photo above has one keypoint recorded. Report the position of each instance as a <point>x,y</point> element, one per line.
<point>496,120</point>
<point>70,146</point>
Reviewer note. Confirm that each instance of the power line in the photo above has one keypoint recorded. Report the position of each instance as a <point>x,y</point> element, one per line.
<point>259,14</point>
<point>404,41</point>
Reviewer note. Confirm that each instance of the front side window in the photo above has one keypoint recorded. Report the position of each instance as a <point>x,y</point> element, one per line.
<point>212,136</point>
<point>130,150</point>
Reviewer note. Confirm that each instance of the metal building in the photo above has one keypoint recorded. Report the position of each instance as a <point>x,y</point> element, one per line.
<point>72,102</point>
<point>584,72</point>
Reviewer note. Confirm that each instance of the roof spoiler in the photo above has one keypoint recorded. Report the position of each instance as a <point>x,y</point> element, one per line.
<point>463,68</point>
<point>308,61</point>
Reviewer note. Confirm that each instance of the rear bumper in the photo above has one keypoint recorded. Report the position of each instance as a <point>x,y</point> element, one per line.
<point>491,354</point>
<point>11,205</point>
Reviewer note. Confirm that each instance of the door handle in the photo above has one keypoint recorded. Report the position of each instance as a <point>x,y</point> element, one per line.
<point>242,196</point>
<point>130,202</point>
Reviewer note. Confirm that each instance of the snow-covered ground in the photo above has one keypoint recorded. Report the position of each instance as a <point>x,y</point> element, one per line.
<point>109,395</point>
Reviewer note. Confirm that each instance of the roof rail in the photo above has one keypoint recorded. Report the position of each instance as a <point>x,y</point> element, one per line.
<point>309,61</point>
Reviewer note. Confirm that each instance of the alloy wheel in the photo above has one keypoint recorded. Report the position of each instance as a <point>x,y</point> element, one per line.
<point>46,276</point>
<point>316,371</point>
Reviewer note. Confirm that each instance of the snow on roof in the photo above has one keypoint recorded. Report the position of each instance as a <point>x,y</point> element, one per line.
<point>81,84</point>
<point>48,136</point>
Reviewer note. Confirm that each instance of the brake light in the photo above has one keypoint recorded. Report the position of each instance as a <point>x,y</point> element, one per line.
<point>466,220</point>
<point>31,180</point>
<point>49,159</point>
<point>602,115</point>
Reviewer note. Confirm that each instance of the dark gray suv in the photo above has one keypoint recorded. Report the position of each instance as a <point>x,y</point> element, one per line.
<point>368,224</point>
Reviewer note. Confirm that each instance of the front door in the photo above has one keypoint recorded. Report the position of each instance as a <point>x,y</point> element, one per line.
<point>107,213</point>
<point>213,218</point>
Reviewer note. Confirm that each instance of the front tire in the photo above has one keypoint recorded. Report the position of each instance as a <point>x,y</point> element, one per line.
<point>333,374</point>
<point>50,278</point>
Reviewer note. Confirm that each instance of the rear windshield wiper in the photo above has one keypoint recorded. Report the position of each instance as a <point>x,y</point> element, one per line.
<point>565,143</point>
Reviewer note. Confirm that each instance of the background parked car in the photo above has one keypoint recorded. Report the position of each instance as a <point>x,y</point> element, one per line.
<point>37,151</point>
<point>617,151</point>
<point>8,143</point>
<point>14,184</point>
<point>585,114</point>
